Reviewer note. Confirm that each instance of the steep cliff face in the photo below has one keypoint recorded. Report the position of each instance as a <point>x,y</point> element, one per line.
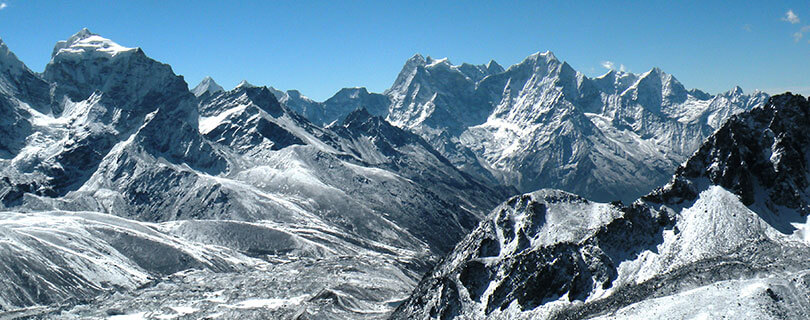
<point>731,225</point>
<point>22,93</point>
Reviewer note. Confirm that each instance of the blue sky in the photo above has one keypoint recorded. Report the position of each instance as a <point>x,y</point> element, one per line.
<point>319,47</point>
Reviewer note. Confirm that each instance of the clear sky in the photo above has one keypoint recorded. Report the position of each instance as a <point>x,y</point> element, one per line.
<point>319,47</point>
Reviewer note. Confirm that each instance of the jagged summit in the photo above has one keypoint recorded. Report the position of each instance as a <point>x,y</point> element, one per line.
<point>493,67</point>
<point>357,116</point>
<point>207,85</point>
<point>86,42</point>
<point>546,55</point>
<point>416,58</point>
<point>482,110</point>
<point>82,34</point>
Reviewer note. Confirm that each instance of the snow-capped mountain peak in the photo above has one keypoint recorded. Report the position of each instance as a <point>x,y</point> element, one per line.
<point>546,56</point>
<point>207,85</point>
<point>86,42</point>
<point>416,59</point>
<point>244,83</point>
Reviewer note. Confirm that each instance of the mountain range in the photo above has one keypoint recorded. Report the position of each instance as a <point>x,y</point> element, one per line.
<point>115,176</point>
<point>542,124</point>
<point>125,193</point>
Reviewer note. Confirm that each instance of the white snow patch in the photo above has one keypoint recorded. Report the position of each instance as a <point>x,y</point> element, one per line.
<point>271,303</point>
<point>133,316</point>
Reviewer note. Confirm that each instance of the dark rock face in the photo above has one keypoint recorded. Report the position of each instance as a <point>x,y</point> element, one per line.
<point>533,275</point>
<point>764,149</point>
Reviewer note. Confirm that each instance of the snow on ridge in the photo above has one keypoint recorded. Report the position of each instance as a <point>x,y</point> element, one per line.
<point>207,85</point>
<point>86,42</point>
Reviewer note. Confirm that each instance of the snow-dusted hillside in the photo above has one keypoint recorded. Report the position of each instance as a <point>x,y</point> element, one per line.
<point>727,236</point>
<point>146,176</point>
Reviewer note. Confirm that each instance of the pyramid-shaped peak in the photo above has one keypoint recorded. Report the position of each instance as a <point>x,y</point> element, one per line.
<point>417,57</point>
<point>244,83</point>
<point>207,85</point>
<point>657,74</point>
<point>357,117</point>
<point>493,67</point>
<point>417,60</point>
<point>84,33</point>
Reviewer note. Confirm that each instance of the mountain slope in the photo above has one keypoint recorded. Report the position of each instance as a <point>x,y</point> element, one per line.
<point>731,225</point>
<point>235,173</point>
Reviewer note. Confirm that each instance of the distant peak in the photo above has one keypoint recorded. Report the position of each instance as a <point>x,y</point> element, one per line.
<point>493,67</point>
<point>346,91</point>
<point>84,33</point>
<point>357,117</point>
<point>416,60</point>
<point>207,85</point>
<point>245,84</point>
<point>656,73</point>
<point>656,70</point>
<point>84,42</point>
<point>547,57</point>
<point>417,57</point>
<point>737,90</point>
<point>294,93</point>
<point>297,95</point>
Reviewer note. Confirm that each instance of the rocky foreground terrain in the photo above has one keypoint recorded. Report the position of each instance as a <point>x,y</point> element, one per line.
<point>727,237</point>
